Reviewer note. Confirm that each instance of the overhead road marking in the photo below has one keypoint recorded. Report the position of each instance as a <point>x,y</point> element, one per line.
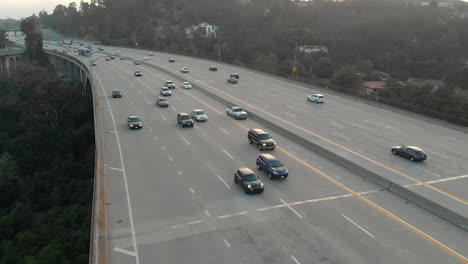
<point>430,172</point>
<point>124,251</point>
<point>188,143</point>
<point>228,154</point>
<point>292,209</point>
<point>129,205</point>
<point>360,227</point>
<point>338,134</point>
<point>354,194</point>
<point>295,259</point>
<point>225,184</point>
<point>117,169</point>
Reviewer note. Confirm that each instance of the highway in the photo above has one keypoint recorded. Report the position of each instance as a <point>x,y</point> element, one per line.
<point>171,196</point>
<point>362,132</point>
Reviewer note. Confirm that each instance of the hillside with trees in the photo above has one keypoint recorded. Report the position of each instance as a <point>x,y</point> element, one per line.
<point>46,166</point>
<point>403,39</point>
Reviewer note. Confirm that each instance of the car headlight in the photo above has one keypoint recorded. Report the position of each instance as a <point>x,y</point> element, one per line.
<point>249,186</point>
<point>263,144</point>
<point>261,184</point>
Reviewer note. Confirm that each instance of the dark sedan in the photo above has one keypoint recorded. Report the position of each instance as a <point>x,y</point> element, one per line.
<point>248,181</point>
<point>410,152</point>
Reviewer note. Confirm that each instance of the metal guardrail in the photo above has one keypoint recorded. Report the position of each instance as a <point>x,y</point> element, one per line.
<point>98,234</point>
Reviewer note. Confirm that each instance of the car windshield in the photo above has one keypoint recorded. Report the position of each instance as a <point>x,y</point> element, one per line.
<point>275,163</point>
<point>419,152</point>
<point>184,117</point>
<point>134,119</point>
<point>264,136</point>
<point>116,92</point>
<point>165,89</point>
<point>237,109</point>
<point>169,82</point>
<point>199,113</point>
<point>162,100</point>
<point>250,177</point>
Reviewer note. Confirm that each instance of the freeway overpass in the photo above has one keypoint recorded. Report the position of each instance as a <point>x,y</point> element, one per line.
<point>171,199</point>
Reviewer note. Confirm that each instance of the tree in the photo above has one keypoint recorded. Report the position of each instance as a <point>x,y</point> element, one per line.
<point>324,68</point>
<point>33,41</point>
<point>347,77</point>
<point>3,39</point>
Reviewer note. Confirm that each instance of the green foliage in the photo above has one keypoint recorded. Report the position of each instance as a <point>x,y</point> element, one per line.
<point>3,39</point>
<point>46,169</point>
<point>347,77</point>
<point>33,40</point>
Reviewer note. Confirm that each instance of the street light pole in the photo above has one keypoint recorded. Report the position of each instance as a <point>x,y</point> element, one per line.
<point>295,56</point>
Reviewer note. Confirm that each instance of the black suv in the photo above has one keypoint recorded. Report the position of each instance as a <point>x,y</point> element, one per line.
<point>248,180</point>
<point>261,138</point>
<point>213,68</point>
<point>410,152</point>
<point>235,75</point>
<point>184,120</point>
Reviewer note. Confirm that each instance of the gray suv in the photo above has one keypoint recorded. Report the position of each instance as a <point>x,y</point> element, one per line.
<point>184,120</point>
<point>261,138</point>
<point>134,122</point>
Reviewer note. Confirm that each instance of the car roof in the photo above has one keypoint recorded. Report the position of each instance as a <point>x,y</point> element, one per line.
<point>168,81</point>
<point>181,114</point>
<point>268,157</point>
<point>161,98</point>
<point>186,82</point>
<point>196,110</point>
<point>414,148</point>
<point>246,171</point>
<point>133,117</point>
<point>259,131</point>
<point>164,87</point>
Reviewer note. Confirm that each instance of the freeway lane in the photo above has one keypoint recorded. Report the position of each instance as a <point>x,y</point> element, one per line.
<point>163,170</point>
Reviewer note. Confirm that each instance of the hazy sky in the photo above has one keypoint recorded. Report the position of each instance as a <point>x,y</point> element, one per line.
<point>25,8</point>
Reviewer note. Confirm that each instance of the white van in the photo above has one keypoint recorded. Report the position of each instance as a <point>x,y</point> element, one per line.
<point>316,98</point>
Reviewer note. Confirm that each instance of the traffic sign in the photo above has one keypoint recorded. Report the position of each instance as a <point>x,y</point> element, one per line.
<point>295,69</point>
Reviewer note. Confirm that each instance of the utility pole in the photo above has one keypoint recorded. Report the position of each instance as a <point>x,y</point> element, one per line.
<point>219,46</point>
<point>295,56</point>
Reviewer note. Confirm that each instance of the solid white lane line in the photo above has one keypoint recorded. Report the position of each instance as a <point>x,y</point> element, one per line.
<point>433,173</point>
<point>117,169</point>
<point>289,114</point>
<point>219,177</point>
<point>335,124</point>
<point>163,117</point>
<point>228,154</point>
<point>191,190</point>
<point>223,130</point>
<point>207,213</point>
<point>437,181</point>
<point>227,243</point>
<point>180,173</point>
<point>436,154</point>
<point>292,209</point>
<point>129,204</point>
<point>188,143</point>
<point>360,227</point>
<point>295,259</point>
<point>124,251</point>
<point>345,137</point>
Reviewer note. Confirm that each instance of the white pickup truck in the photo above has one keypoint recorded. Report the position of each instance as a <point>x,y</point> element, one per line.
<point>236,112</point>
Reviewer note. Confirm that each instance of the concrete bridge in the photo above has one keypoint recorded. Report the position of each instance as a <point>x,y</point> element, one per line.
<point>10,60</point>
